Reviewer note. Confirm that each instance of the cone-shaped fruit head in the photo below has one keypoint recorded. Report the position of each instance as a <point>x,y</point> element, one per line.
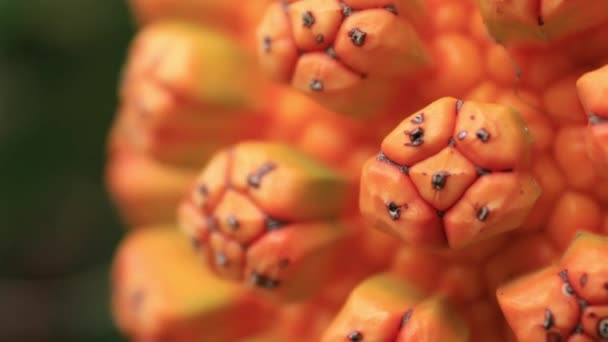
<point>563,302</point>
<point>450,174</point>
<point>264,214</point>
<point>593,93</point>
<point>535,22</point>
<point>344,54</point>
<point>385,308</point>
<point>161,292</point>
<point>183,91</point>
<point>144,190</point>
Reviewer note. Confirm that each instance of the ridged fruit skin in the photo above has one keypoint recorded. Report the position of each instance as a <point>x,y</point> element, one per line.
<point>385,307</point>
<point>330,50</point>
<point>450,174</point>
<point>268,215</point>
<point>565,301</point>
<point>183,94</point>
<point>160,291</point>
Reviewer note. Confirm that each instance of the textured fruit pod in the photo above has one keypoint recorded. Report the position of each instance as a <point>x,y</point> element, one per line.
<point>453,173</point>
<point>161,292</point>
<point>385,308</point>
<point>230,16</point>
<point>564,302</point>
<point>144,190</point>
<point>593,93</point>
<point>530,23</point>
<point>266,214</point>
<point>330,50</point>
<point>183,91</point>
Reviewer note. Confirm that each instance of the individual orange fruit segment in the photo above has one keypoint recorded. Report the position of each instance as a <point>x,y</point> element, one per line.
<point>433,320</point>
<point>369,36</point>
<point>457,64</point>
<point>277,51</point>
<point>587,271</point>
<point>152,195</point>
<point>285,183</point>
<point>195,226</point>
<point>385,308</point>
<point>494,204</point>
<point>286,263</point>
<point>552,183</point>
<point>492,136</point>
<point>238,218</point>
<point>389,201</point>
<point>534,23</point>
<point>423,133</point>
<point>562,103</point>
<point>540,306</point>
<point>522,255</point>
<point>314,23</point>
<point>443,178</point>
<point>226,256</point>
<point>161,291</point>
<point>570,153</point>
<point>573,211</point>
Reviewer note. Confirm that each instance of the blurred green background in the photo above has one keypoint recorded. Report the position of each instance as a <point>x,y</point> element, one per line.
<point>59,65</point>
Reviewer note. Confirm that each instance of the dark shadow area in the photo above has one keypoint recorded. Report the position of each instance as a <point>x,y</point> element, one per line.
<point>59,65</point>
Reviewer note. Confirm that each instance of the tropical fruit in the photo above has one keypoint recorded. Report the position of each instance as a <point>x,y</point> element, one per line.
<point>182,94</point>
<point>593,93</point>
<point>450,174</point>
<point>149,197</point>
<point>330,50</point>
<point>385,308</point>
<point>161,292</point>
<point>563,302</point>
<point>266,214</point>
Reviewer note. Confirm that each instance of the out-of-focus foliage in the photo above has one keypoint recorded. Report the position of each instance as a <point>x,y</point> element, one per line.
<point>59,62</point>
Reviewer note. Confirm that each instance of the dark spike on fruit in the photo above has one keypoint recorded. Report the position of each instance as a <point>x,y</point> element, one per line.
<point>418,119</point>
<point>583,280</point>
<point>308,19</point>
<point>316,85</point>
<point>416,137</point>
<point>481,171</point>
<point>394,210</point>
<point>232,222</point>
<point>462,135</point>
<point>267,44</point>
<point>391,8</point>
<point>221,259</point>
<point>483,213</point>
<point>319,39</point>
<point>553,337</point>
<point>331,52</point>
<point>459,105</point>
<point>355,336</point>
<point>602,328</point>
<point>451,142</point>
<point>549,320</point>
<point>357,36</point>
<point>483,135</point>
<point>439,179</point>
<point>272,224</point>
<point>596,120</point>
<point>254,180</point>
<point>346,10</point>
